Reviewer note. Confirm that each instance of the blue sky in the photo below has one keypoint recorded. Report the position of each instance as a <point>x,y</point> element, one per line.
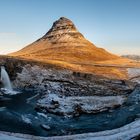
<point>110,24</point>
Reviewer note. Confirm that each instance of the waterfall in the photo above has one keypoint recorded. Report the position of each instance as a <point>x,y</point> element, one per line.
<point>5,79</point>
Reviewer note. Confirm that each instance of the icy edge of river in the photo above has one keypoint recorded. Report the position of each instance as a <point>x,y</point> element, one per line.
<point>126,132</point>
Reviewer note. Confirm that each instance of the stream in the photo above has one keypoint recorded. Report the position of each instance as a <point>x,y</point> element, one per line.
<point>17,114</point>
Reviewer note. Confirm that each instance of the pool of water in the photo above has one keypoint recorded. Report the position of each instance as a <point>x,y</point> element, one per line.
<point>17,114</point>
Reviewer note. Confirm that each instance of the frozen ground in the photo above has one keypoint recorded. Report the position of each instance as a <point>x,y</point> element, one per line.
<point>76,105</point>
<point>134,74</point>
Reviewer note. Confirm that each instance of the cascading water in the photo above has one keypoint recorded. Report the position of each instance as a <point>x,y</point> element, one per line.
<point>5,79</point>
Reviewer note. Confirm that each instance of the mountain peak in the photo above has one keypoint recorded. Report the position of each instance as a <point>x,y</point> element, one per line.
<point>63,26</point>
<point>63,42</point>
<point>63,20</point>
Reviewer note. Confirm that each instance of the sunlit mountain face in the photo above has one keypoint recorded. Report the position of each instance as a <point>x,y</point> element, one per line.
<point>64,42</point>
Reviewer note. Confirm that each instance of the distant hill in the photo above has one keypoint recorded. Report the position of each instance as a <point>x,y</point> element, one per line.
<point>134,57</point>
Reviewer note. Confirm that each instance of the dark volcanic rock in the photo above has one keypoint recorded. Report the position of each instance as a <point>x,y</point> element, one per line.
<point>134,97</point>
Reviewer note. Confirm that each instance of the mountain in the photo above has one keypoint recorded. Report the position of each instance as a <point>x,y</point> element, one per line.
<point>133,57</point>
<point>65,47</point>
<point>63,42</point>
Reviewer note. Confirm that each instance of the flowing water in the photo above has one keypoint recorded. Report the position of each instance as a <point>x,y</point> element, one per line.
<point>5,79</point>
<point>17,114</point>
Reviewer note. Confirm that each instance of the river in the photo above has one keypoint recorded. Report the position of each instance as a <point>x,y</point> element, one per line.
<point>17,114</point>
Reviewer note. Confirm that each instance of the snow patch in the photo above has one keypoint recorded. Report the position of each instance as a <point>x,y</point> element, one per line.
<point>26,119</point>
<point>75,104</point>
<point>9,92</point>
<point>133,72</point>
<point>42,115</point>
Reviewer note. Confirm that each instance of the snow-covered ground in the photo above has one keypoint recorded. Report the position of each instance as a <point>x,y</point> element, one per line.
<point>127,132</point>
<point>26,119</point>
<point>10,137</point>
<point>74,104</point>
<point>134,74</point>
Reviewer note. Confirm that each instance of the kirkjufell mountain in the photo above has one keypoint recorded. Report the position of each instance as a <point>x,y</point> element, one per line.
<point>63,42</point>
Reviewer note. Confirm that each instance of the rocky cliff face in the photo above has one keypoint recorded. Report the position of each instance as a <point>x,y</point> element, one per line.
<point>64,29</point>
<point>68,83</point>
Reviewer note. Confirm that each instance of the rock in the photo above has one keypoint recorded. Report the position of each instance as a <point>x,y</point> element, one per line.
<point>134,97</point>
<point>60,28</point>
<point>137,138</point>
<point>74,106</point>
<point>1,93</point>
<point>66,83</point>
<point>0,83</point>
<point>45,127</point>
<point>134,74</point>
<point>4,99</point>
<point>77,110</point>
<point>55,103</point>
<point>138,116</point>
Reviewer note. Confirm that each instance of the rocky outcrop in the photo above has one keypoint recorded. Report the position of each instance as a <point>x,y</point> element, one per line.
<point>75,106</point>
<point>61,28</point>
<point>69,83</point>
<point>14,65</point>
<point>134,97</point>
<point>134,74</point>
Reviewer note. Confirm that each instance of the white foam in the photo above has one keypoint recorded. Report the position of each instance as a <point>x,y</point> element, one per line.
<point>9,92</point>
